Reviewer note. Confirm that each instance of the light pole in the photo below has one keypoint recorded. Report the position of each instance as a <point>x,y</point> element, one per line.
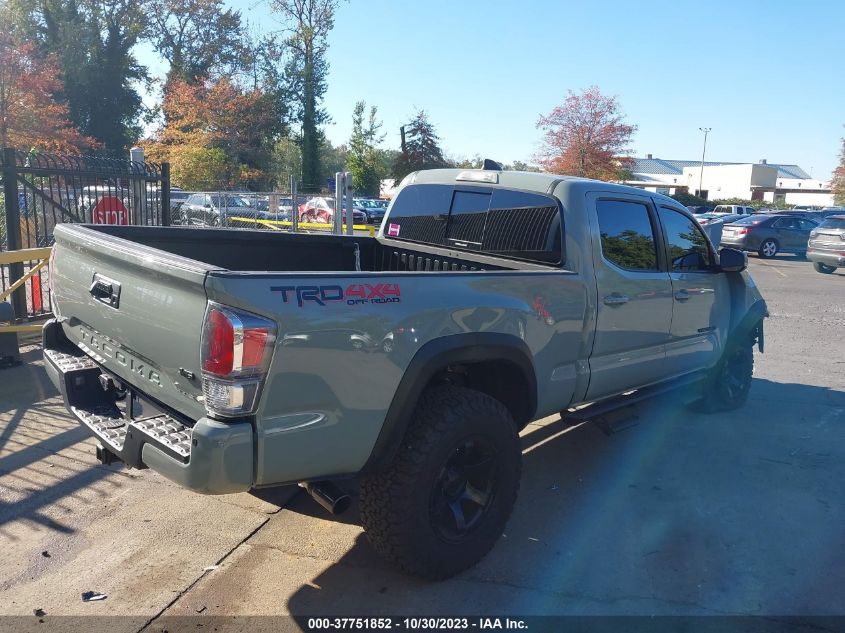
<point>706,131</point>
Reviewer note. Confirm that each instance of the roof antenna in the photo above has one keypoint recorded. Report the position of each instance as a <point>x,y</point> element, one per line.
<point>492,165</point>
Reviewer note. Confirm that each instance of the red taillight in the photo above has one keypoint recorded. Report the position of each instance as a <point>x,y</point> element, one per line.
<point>743,231</point>
<point>235,356</point>
<point>219,344</point>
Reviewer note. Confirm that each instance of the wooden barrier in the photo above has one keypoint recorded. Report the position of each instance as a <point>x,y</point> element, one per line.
<point>17,257</point>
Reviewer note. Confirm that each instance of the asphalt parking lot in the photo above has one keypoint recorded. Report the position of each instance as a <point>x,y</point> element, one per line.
<point>684,513</point>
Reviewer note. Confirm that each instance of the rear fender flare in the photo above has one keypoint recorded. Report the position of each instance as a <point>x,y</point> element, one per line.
<point>430,359</point>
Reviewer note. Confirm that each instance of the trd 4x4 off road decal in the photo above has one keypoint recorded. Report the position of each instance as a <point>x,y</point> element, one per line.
<point>353,294</point>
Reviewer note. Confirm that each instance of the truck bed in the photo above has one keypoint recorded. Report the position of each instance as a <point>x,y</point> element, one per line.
<point>256,250</point>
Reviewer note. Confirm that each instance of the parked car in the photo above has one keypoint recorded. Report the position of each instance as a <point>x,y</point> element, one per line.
<point>700,209</point>
<point>263,211</point>
<point>829,211</point>
<point>320,210</point>
<point>768,235</point>
<point>177,199</point>
<point>212,209</point>
<point>373,211</point>
<point>204,329</point>
<point>734,209</point>
<point>826,246</point>
<point>724,218</point>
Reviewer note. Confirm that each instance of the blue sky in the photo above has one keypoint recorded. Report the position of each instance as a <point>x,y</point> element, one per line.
<point>767,77</point>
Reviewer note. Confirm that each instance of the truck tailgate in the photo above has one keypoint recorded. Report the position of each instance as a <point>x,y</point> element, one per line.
<point>136,310</point>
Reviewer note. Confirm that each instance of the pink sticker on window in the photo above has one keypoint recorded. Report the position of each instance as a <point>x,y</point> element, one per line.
<point>393,230</point>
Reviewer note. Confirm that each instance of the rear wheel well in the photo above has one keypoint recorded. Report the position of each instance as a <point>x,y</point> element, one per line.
<point>499,379</point>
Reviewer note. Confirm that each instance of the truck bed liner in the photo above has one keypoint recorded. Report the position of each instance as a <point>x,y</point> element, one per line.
<point>255,250</point>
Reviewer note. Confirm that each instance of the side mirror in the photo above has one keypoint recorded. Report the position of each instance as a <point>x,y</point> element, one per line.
<point>732,260</point>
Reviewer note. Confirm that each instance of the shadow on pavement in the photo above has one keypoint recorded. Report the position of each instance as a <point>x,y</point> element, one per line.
<point>684,513</point>
<point>25,394</point>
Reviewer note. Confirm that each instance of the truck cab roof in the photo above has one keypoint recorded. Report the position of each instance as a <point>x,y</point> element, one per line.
<point>544,183</point>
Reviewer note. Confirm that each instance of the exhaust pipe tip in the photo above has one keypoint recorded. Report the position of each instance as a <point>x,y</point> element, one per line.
<point>328,495</point>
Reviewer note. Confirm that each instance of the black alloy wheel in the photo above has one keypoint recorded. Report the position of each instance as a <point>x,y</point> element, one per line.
<point>464,489</point>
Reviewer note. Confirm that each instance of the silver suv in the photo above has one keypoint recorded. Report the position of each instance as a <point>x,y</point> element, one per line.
<point>826,247</point>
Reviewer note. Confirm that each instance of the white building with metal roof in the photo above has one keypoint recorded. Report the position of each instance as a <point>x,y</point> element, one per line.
<point>788,184</point>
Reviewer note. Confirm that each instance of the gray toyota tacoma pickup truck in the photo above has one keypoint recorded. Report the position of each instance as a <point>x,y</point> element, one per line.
<point>228,360</point>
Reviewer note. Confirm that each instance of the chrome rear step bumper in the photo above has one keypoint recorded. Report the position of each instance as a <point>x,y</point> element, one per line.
<point>79,381</point>
<point>209,456</point>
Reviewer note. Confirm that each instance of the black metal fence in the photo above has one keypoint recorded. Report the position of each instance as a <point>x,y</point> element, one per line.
<point>40,190</point>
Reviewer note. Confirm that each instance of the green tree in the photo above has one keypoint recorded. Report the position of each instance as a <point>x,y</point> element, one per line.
<point>201,168</point>
<point>363,159</point>
<point>468,163</point>
<point>286,162</point>
<point>630,249</point>
<point>92,41</point>
<point>199,38</point>
<point>518,165</point>
<point>838,180</point>
<point>307,69</point>
<point>421,148</point>
<point>332,160</point>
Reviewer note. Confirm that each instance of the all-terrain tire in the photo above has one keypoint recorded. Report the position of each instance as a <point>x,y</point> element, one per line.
<point>402,508</point>
<point>728,384</point>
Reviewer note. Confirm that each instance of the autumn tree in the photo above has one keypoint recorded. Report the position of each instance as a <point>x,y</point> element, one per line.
<point>29,115</point>
<point>586,136</point>
<point>420,149</point>
<point>199,38</point>
<point>219,120</point>
<point>363,161</point>
<point>92,43</point>
<point>307,71</point>
<point>838,180</point>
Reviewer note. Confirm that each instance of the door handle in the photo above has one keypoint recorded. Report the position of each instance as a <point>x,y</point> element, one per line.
<point>615,299</point>
<point>682,295</point>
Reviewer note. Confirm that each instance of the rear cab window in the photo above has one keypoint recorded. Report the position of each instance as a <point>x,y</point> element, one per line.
<point>506,223</point>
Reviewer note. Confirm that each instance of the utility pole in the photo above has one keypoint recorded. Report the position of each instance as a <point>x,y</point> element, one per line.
<point>402,133</point>
<point>706,131</point>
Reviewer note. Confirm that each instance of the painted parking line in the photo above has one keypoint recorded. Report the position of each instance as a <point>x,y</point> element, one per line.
<point>773,267</point>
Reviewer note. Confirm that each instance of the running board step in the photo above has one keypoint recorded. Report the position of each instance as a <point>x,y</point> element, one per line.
<point>615,414</point>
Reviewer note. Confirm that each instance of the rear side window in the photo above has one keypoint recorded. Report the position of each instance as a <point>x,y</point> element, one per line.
<point>627,236</point>
<point>686,245</point>
<point>468,217</point>
<point>832,224</point>
<point>502,222</point>
<point>752,219</point>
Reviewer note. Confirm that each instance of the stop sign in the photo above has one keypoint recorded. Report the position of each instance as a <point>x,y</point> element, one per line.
<point>109,210</point>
